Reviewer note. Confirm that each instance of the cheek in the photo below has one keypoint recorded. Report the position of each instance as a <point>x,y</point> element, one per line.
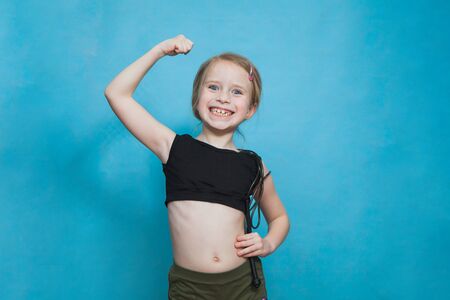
<point>202,106</point>
<point>205,94</point>
<point>243,106</point>
<point>202,103</point>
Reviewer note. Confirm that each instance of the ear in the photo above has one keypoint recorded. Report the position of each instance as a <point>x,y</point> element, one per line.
<point>251,112</point>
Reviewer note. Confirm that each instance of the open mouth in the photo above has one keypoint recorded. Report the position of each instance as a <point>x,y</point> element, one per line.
<point>220,112</point>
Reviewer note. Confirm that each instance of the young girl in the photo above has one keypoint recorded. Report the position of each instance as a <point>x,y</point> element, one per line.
<point>209,182</point>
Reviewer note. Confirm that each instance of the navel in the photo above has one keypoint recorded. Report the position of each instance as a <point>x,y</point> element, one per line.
<point>216,258</point>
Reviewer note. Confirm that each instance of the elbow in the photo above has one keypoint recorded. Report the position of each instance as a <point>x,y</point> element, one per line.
<point>288,222</point>
<point>110,94</point>
<point>107,92</point>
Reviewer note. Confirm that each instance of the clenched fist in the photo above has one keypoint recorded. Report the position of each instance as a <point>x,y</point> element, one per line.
<point>176,45</point>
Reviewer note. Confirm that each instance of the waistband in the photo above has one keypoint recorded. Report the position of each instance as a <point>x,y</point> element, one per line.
<point>243,270</point>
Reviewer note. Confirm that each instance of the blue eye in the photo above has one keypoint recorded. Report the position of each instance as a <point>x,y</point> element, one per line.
<point>213,85</point>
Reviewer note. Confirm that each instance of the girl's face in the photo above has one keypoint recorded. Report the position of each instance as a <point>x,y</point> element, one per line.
<point>227,88</point>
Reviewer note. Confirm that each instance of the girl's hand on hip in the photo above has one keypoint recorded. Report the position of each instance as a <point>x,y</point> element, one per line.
<point>251,244</point>
<point>176,45</point>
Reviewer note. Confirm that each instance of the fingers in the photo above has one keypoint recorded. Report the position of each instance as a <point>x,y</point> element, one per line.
<point>250,251</point>
<point>246,243</point>
<point>184,44</point>
<point>247,236</point>
<point>187,46</point>
<point>176,45</point>
<point>249,245</point>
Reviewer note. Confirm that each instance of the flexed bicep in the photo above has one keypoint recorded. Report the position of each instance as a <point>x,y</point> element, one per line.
<point>147,129</point>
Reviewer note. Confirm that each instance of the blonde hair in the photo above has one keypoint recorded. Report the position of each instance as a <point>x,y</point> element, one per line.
<point>239,60</point>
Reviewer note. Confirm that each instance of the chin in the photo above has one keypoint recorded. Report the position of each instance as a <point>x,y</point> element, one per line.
<point>224,127</point>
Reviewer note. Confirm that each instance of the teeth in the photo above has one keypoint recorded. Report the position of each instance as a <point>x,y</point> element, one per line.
<point>220,112</point>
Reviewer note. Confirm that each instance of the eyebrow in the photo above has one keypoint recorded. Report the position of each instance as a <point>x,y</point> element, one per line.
<point>232,84</point>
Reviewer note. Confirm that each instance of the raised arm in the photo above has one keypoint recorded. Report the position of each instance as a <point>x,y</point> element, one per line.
<point>119,93</point>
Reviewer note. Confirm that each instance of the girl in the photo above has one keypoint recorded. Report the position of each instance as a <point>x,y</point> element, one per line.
<point>209,182</point>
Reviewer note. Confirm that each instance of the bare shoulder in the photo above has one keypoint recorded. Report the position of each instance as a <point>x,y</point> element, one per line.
<point>267,172</point>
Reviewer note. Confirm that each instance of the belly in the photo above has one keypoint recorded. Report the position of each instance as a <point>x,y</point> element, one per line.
<point>203,235</point>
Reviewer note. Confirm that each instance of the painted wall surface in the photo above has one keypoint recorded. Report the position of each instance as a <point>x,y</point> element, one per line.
<point>354,125</point>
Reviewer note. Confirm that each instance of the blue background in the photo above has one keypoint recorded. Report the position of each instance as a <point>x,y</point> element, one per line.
<point>354,124</point>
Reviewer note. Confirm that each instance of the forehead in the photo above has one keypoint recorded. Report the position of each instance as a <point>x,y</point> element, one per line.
<point>228,72</point>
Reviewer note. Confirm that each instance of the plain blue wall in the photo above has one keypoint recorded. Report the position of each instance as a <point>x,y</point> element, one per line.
<point>354,125</point>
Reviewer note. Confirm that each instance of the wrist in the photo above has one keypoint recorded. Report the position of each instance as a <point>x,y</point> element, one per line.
<point>268,246</point>
<point>159,51</point>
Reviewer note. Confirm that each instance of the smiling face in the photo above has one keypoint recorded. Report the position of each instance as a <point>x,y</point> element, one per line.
<point>225,96</point>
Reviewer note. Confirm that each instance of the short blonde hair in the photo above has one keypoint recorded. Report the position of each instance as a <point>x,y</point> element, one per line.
<point>239,60</point>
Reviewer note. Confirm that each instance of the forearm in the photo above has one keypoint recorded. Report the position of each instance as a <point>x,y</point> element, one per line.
<point>126,82</point>
<point>278,230</point>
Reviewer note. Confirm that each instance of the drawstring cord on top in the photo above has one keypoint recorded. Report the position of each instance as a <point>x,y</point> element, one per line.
<point>255,190</point>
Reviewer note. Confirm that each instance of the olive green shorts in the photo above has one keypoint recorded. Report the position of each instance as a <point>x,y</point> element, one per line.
<point>230,285</point>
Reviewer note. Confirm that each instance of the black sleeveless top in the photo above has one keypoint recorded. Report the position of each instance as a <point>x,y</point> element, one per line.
<point>196,170</point>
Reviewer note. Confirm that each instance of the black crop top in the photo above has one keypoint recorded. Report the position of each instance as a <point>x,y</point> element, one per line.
<point>196,170</point>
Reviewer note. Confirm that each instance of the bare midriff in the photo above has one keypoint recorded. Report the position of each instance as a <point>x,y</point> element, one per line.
<point>203,235</point>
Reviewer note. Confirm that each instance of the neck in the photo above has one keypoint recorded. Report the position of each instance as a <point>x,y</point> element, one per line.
<point>220,139</point>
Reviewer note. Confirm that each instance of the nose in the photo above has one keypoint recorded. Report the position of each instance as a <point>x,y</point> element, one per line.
<point>223,97</point>
<point>223,101</point>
